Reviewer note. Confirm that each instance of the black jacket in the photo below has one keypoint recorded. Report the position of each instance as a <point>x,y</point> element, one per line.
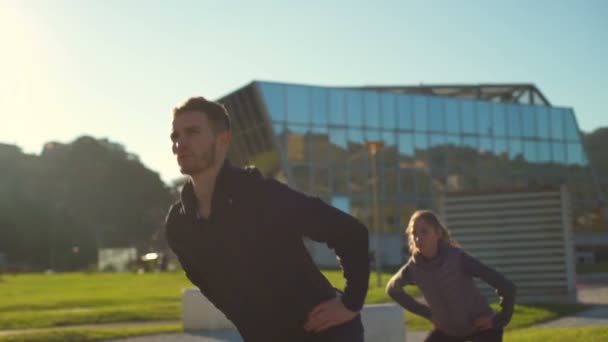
<point>248,257</point>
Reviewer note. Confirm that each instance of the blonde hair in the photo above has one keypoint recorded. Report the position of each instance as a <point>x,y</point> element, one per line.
<point>432,219</point>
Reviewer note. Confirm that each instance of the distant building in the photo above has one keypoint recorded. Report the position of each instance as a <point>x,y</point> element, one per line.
<point>436,139</point>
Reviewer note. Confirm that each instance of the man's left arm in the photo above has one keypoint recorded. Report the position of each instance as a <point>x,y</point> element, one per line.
<point>343,233</point>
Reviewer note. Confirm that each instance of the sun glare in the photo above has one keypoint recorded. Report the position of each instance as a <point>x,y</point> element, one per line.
<point>15,58</point>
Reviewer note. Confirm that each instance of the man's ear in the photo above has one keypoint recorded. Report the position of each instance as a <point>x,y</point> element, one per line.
<point>225,138</point>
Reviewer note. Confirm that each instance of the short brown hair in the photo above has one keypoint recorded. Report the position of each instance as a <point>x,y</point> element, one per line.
<point>216,112</point>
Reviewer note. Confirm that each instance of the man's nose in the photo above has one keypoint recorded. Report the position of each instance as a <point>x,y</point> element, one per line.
<point>177,146</point>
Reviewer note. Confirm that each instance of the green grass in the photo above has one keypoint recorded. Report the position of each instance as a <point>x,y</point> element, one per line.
<point>39,300</point>
<point>89,334</point>
<point>523,316</point>
<point>570,334</point>
<point>375,294</point>
<point>42,301</point>
<point>597,267</point>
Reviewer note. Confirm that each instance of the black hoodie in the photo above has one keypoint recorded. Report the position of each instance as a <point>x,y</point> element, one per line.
<point>248,258</point>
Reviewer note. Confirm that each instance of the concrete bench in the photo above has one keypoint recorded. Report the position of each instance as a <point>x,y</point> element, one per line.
<point>382,322</point>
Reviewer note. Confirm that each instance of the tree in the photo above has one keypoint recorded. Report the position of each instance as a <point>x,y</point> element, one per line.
<point>58,208</point>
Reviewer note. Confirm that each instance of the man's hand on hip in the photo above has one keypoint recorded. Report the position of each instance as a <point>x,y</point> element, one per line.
<point>328,314</point>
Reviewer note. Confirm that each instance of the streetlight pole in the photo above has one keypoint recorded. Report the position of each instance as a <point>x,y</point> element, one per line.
<point>373,147</point>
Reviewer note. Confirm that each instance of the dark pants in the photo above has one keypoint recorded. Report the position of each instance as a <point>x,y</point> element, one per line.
<point>490,335</point>
<point>351,331</point>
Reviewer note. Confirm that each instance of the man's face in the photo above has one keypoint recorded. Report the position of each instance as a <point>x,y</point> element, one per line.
<point>194,143</point>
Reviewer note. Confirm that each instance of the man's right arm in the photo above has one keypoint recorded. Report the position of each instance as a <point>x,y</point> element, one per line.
<point>171,229</point>
<point>394,289</point>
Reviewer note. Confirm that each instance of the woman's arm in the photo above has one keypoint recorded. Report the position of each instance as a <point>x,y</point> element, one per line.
<point>504,287</point>
<point>394,289</point>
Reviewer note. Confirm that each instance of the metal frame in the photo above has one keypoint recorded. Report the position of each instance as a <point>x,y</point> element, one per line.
<point>523,93</point>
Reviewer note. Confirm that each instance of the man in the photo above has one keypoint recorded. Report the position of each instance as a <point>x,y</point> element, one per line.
<point>239,236</point>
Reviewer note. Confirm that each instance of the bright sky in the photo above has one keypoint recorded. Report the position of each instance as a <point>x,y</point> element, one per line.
<point>115,68</point>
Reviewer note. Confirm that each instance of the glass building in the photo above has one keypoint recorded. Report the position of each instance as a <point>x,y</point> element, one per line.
<point>432,140</point>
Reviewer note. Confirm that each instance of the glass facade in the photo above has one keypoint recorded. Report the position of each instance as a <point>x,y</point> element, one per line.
<point>315,139</point>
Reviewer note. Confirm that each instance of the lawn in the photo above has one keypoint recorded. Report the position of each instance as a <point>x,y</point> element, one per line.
<point>41,300</point>
<point>570,334</point>
<point>597,267</point>
<point>90,334</point>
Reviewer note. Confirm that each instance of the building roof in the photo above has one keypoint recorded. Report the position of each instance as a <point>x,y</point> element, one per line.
<point>523,93</point>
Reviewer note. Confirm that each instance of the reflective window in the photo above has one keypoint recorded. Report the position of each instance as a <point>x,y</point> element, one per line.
<point>407,187</point>
<point>558,152</point>
<point>436,121</point>
<point>437,140</point>
<point>275,100</point>
<point>389,152</point>
<point>319,106</point>
<point>485,144</point>
<point>557,124</point>
<point>338,155</point>
<point>318,143</point>
<point>500,147</point>
<point>337,136</point>
<point>405,118</point>
<point>499,125</point>
<point>452,118</point>
<point>278,129</point>
<point>337,110</point>
<point>300,129</point>
<point>542,122</point>
<point>320,180</point>
<point>570,125</point>
<point>388,110</point>
<point>340,176</point>
<point>453,140</point>
<point>420,113</point>
<point>530,151</point>
<point>372,135</point>
<point>484,118</point>
<point>421,141</point>
<point>575,154</point>
<point>467,116</point>
<point>406,144</point>
<point>296,142</point>
<point>514,120</point>
<point>341,202</point>
<point>301,173</point>
<point>470,141</point>
<point>356,136</point>
<point>515,148</point>
<point>528,121</point>
<point>544,152</point>
<point>372,109</point>
<point>298,100</point>
<point>388,138</point>
<point>354,103</point>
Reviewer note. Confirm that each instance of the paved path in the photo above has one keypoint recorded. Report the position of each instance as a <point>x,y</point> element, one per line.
<point>592,290</point>
<point>218,336</point>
